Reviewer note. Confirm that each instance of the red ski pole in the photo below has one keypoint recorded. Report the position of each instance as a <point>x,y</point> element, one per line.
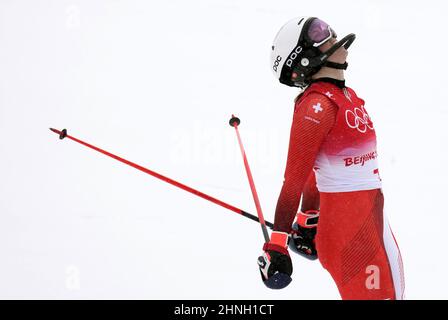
<point>63,134</point>
<point>234,122</point>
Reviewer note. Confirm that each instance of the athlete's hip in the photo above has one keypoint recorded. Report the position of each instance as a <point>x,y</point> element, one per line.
<point>343,215</point>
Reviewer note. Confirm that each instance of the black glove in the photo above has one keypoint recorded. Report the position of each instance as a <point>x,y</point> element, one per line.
<point>303,232</point>
<point>275,263</point>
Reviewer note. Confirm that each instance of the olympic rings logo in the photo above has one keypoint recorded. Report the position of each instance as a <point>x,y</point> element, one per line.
<point>358,119</point>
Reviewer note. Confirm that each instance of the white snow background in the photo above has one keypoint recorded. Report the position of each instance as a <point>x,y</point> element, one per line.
<point>156,82</point>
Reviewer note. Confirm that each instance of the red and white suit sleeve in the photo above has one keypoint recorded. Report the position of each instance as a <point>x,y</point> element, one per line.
<point>314,116</point>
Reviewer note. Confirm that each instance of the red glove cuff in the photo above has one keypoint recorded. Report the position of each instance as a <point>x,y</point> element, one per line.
<point>278,242</point>
<point>307,219</point>
<point>274,247</point>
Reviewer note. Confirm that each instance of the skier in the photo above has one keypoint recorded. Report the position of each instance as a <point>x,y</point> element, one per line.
<point>332,164</point>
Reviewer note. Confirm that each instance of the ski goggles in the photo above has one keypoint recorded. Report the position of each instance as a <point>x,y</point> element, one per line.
<point>319,32</point>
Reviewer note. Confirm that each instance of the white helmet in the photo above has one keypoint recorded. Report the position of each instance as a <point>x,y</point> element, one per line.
<point>295,54</point>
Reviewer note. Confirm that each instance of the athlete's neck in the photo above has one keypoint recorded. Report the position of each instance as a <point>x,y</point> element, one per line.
<point>326,72</point>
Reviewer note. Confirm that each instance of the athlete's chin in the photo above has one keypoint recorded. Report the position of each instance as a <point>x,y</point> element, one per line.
<point>344,54</point>
<point>340,56</point>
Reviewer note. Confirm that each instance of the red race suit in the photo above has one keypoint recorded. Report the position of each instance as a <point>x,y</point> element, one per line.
<point>332,136</point>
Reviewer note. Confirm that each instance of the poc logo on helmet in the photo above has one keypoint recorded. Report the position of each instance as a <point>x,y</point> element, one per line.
<point>276,63</point>
<point>293,56</point>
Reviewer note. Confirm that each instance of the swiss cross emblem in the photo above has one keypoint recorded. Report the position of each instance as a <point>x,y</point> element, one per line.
<point>317,108</point>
